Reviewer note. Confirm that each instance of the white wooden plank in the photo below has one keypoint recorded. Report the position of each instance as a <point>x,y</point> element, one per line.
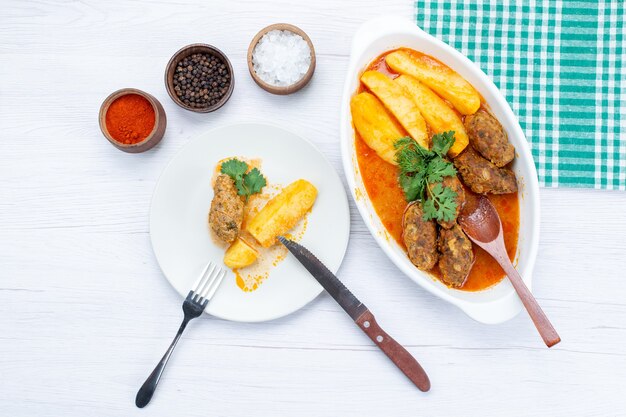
<point>85,313</point>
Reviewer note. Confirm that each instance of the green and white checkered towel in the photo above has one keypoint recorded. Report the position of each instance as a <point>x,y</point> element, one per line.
<point>560,65</point>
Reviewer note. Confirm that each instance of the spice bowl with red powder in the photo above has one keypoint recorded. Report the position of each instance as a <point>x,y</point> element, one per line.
<point>132,120</point>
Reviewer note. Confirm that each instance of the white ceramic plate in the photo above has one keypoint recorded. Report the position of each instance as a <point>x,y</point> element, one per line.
<point>181,201</point>
<point>500,302</point>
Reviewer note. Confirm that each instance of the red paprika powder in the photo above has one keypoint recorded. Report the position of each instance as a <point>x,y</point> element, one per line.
<point>130,119</point>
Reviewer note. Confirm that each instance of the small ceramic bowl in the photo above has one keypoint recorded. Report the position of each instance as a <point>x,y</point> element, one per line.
<point>190,50</point>
<point>281,90</point>
<point>160,122</point>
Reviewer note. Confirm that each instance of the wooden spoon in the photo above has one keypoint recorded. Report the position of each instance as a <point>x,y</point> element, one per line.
<point>480,221</point>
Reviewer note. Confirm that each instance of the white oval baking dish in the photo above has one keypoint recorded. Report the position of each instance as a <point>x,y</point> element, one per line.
<point>500,302</point>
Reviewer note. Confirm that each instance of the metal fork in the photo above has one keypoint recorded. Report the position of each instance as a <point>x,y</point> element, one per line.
<point>193,306</point>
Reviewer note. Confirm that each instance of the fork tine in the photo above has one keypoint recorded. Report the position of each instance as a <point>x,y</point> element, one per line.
<point>214,273</point>
<point>215,284</point>
<point>202,281</point>
<point>196,285</point>
<point>207,282</point>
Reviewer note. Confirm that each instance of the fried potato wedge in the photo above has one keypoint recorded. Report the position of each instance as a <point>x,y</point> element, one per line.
<point>439,116</point>
<point>399,104</point>
<point>443,80</point>
<point>240,254</point>
<point>282,212</point>
<point>376,127</point>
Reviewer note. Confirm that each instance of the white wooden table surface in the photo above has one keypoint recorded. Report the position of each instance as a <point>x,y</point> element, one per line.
<point>85,312</point>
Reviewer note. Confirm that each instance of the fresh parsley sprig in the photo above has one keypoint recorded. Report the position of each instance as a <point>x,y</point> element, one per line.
<point>421,174</point>
<point>441,203</point>
<point>247,182</point>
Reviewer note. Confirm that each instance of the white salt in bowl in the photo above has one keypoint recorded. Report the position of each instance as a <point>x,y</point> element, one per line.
<point>281,89</point>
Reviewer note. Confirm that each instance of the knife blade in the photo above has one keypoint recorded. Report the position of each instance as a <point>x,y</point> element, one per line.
<point>360,314</point>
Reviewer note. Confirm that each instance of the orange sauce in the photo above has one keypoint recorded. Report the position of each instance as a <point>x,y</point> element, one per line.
<point>381,183</point>
<point>381,66</point>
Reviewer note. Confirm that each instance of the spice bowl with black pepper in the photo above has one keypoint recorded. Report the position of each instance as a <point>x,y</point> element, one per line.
<point>199,77</point>
<point>132,120</point>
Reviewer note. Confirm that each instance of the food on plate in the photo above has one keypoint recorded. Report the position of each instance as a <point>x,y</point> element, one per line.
<point>282,212</point>
<point>483,177</point>
<point>457,256</point>
<point>247,181</point>
<point>399,104</point>
<point>227,207</point>
<point>439,115</point>
<point>442,79</point>
<point>420,237</point>
<point>240,254</point>
<point>489,138</point>
<point>418,188</point>
<point>249,214</point>
<point>226,214</point>
<point>375,125</point>
<point>452,182</point>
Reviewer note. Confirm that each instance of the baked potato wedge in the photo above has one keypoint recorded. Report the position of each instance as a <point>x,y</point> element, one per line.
<point>443,80</point>
<point>282,212</point>
<point>240,254</point>
<point>439,116</point>
<point>399,104</point>
<point>375,126</point>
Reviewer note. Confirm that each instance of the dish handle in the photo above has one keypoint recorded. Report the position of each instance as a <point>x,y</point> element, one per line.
<point>495,312</point>
<point>374,29</point>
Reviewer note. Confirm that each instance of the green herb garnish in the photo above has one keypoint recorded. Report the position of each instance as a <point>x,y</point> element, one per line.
<point>234,168</point>
<point>421,174</point>
<point>441,203</point>
<point>247,183</point>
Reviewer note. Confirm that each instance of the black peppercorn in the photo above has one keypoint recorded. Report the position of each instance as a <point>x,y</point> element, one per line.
<point>202,80</point>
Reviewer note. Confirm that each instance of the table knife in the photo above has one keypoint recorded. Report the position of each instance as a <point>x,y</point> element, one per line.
<point>360,314</point>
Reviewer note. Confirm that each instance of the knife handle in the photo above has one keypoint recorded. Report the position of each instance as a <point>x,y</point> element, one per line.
<point>394,351</point>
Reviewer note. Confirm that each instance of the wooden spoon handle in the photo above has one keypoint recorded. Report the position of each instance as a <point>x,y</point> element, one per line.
<point>543,325</point>
<point>394,351</point>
